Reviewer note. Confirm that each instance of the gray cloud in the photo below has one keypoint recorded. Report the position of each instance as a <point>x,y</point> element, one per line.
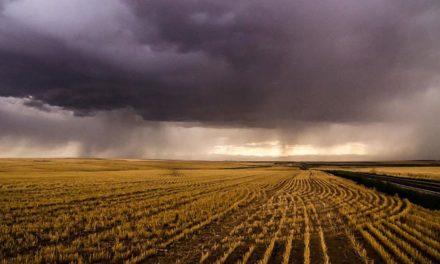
<point>34,130</point>
<point>292,66</point>
<point>235,61</point>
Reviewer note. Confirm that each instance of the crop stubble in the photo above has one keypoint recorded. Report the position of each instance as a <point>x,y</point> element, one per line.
<point>163,212</point>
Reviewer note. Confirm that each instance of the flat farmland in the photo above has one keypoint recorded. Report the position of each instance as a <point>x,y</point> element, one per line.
<point>127,211</point>
<point>427,172</point>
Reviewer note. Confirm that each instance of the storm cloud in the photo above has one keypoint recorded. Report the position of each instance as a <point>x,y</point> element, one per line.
<point>293,67</point>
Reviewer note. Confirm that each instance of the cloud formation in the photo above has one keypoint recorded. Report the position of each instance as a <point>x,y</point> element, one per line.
<point>287,66</point>
<point>30,130</point>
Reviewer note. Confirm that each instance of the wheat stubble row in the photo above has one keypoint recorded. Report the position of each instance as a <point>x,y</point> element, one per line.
<point>207,213</point>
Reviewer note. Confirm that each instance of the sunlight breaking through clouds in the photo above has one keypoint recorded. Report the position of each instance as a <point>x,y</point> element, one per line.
<point>31,128</point>
<point>275,149</point>
<point>168,79</point>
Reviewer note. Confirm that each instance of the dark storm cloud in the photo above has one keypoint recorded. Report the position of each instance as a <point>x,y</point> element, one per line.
<point>306,60</point>
<point>87,79</point>
<point>238,62</point>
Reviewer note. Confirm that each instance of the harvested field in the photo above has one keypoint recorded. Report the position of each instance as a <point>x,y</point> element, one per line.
<point>422,185</point>
<point>421,191</point>
<point>203,212</point>
<point>421,172</point>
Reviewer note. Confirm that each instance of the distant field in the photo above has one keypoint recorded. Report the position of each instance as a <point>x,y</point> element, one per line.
<point>121,211</point>
<point>412,172</point>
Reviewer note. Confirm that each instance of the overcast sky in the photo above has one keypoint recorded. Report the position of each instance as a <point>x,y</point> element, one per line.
<point>230,79</point>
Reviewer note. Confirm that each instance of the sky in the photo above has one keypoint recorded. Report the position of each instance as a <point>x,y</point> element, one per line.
<point>220,80</point>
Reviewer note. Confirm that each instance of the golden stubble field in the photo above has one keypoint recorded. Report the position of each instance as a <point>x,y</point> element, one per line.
<point>411,172</point>
<point>121,211</point>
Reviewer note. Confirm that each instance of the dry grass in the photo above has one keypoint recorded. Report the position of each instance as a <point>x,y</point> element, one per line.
<point>412,172</point>
<point>114,211</point>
